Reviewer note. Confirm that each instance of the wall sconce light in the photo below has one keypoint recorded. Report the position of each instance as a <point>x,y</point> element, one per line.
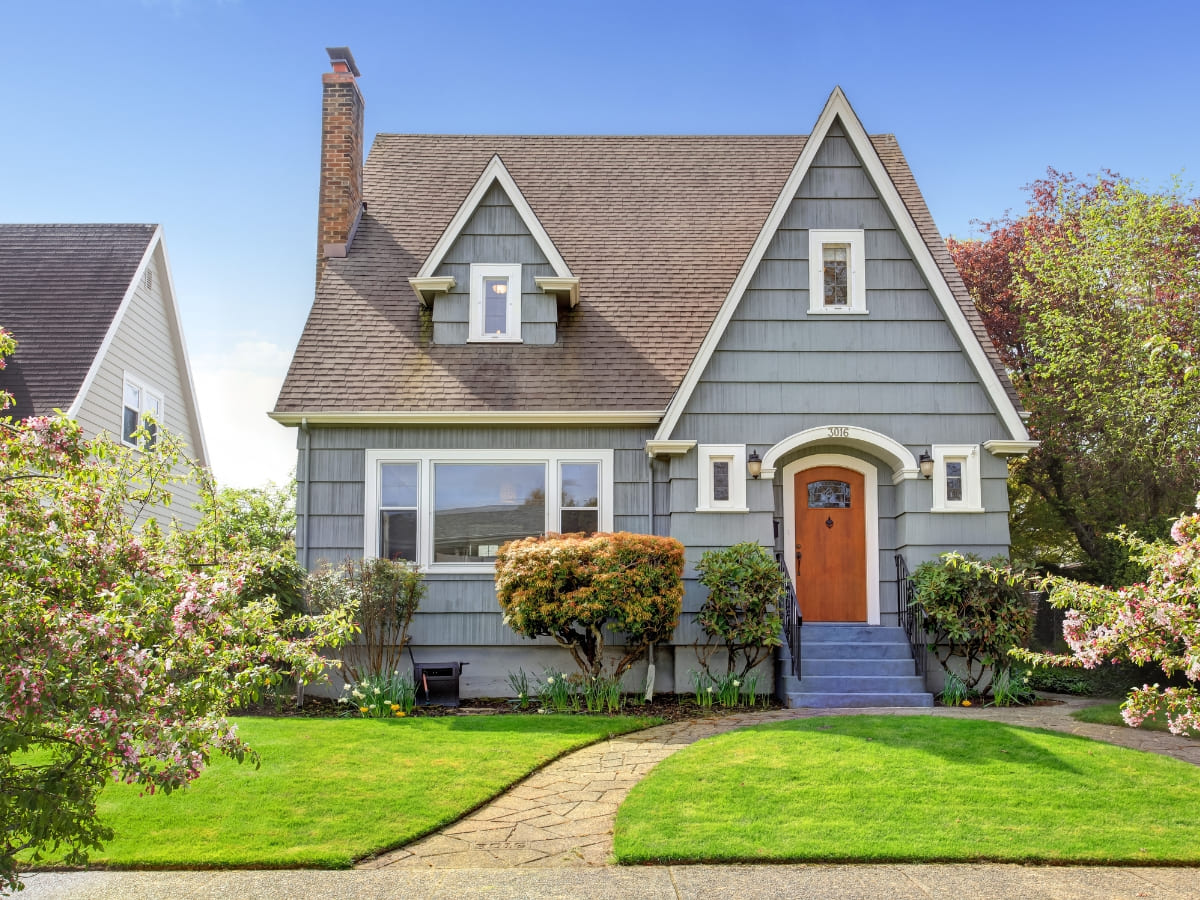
<point>926,464</point>
<point>754,464</point>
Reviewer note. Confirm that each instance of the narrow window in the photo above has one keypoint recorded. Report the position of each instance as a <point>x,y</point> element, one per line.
<point>954,481</point>
<point>836,261</point>
<point>398,511</point>
<point>720,479</point>
<point>495,306</point>
<point>580,503</point>
<point>132,412</point>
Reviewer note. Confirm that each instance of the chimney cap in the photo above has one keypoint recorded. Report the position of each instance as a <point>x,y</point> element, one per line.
<point>343,55</point>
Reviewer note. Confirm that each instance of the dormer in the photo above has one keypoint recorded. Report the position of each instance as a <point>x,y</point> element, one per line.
<point>495,276</point>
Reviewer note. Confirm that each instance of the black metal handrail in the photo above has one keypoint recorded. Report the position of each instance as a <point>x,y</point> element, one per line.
<point>911,616</point>
<point>792,618</point>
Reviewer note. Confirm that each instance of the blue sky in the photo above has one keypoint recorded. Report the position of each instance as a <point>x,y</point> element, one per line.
<point>203,115</point>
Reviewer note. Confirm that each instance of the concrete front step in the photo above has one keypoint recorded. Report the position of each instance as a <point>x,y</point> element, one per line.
<point>810,667</point>
<point>853,649</point>
<point>821,632</point>
<point>832,700</point>
<point>861,684</point>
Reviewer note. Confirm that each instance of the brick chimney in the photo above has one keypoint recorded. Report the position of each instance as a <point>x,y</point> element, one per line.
<point>341,202</point>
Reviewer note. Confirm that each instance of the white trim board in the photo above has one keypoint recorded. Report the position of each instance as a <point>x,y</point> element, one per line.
<point>484,417</point>
<point>870,519</point>
<point>892,452</point>
<point>495,171</point>
<point>837,107</point>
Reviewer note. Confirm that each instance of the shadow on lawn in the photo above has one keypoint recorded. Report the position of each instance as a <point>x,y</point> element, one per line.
<point>954,740</point>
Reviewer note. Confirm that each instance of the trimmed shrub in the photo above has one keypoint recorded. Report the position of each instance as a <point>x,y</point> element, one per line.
<point>971,614</point>
<point>573,587</point>
<point>741,614</point>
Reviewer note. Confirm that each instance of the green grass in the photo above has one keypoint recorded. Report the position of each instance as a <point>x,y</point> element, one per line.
<point>333,790</point>
<point>1110,714</point>
<point>901,788</point>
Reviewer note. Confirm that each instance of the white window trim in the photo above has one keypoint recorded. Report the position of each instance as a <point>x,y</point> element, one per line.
<point>972,501</point>
<point>425,459</point>
<point>706,455</point>
<point>479,271</point>
<point>146,389</point>
<point>853,238</point>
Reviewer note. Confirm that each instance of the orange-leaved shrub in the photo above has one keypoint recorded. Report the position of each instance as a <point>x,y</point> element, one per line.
<point>573,587</point>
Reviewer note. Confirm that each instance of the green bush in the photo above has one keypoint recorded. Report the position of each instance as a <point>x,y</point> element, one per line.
<point>971,615</point>
<point>387,593</point>
<point>741,614</point>
<point>574,587</point>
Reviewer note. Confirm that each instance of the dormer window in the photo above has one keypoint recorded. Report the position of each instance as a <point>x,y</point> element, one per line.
<point>495,303</point>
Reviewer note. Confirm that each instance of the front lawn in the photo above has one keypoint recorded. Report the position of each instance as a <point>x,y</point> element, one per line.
<point>910,788</point>
<point>333,790</point>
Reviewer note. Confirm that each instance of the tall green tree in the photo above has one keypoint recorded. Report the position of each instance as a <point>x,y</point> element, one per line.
<point>1093,298</point>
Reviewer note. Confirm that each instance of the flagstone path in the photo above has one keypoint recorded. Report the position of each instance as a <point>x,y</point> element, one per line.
<point>562,815</point>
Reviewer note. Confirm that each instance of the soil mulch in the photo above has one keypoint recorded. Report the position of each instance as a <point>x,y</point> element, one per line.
<point>668,707</point>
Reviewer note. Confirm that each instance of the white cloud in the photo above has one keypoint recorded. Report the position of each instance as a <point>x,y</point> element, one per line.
<point>235,390</point>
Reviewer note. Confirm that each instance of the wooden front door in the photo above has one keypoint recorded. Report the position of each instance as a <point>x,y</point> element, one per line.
<point>831,545</point>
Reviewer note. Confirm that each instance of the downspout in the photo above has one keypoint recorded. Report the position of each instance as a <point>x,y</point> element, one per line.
<point>650,506</point>
<point>302,552</point>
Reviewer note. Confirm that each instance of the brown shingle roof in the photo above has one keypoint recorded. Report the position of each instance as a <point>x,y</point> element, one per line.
<point>60,287</point>
<point>655,227</point>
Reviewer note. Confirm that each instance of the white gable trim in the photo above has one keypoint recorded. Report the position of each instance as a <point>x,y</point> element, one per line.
<point>155,245</point>
<point>494,172</point>
<point>838,107</point>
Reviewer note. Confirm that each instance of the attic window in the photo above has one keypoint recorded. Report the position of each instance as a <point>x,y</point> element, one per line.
<point>142,408</point>
<point>836,272</point>
<point>495,312</point>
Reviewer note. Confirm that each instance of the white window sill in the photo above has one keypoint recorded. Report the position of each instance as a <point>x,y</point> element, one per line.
<point>958,509</point>
<point>488,569</point>
<point>722,509</point>
<point>477,340</point>
<point>839,312</point>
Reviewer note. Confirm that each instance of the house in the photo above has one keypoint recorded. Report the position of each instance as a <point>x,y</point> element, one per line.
<point>98,334</point>
<point>563,333</point>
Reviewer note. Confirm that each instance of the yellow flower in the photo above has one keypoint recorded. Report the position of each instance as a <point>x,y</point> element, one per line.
<point>400,714</point>
<point>966,703</point>
<point>362,709</point>
<point>395,706</point>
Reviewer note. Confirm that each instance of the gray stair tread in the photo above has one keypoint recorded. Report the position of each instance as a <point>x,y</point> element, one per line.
<point>837,700</point>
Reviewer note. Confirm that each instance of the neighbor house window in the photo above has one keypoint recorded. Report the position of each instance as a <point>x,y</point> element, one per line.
<point>837,266</point>
<point>142,407</point>
<point>721,481</point>
<point>451,510</point>
<point>956,484</point>
<point>495,312</point>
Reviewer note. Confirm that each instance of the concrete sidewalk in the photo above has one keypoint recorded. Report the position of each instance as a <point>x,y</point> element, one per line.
<point>875,882</point>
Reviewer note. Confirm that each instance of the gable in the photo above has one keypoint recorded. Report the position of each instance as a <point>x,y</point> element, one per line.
<point>494,233</point>
<point>60,289</point>
<point>836,132</point>
<point>779,369</point>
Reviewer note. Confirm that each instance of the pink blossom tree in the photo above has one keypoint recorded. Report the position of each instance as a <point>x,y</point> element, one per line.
<point>123,645</point>
<point>1156,621</point>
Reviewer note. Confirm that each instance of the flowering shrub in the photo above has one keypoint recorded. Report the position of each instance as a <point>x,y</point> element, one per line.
<point>971,613</point>
<point>741,614</point>
<point>573,587</point>
<point>1157,621</point>
<point>122,647</point>
<point>386,593</point>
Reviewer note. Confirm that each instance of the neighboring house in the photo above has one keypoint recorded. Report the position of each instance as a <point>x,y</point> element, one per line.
<point>560,333</point>
<point>98,334</point>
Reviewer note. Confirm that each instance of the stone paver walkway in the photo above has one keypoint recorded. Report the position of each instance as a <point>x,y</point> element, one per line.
<point>563,815</point>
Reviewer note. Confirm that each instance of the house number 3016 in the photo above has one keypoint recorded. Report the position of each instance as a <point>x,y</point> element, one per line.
<point>841,431</point>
